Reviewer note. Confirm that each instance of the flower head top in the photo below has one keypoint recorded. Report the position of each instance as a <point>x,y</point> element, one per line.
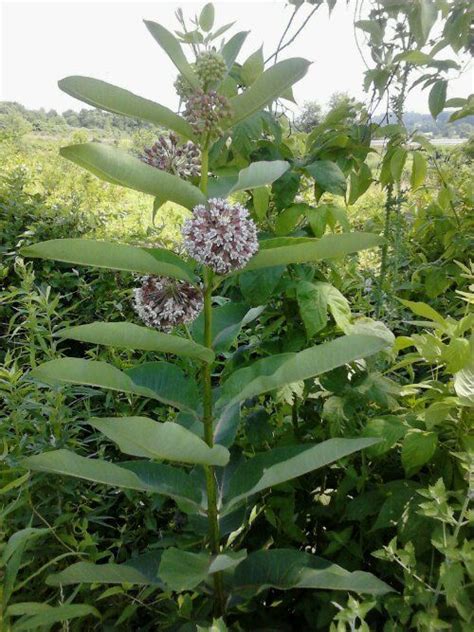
<point>166,154</point>
<point>221,236</point>
<point>164,303</point>
<point>210,67</point>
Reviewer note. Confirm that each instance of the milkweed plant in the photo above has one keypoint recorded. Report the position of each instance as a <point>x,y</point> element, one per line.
<point>192,458</point>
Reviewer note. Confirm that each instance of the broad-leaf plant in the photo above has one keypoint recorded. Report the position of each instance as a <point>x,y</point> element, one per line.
<point>191,458</point>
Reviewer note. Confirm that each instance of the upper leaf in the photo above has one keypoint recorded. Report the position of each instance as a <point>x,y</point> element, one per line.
<point>269,86</point>
<point>259,174</point>
<point>172,48</point>
<point>284,251</point>
<point>119,167</point>
<point>130,336</point>
<point>111,98</point>
<point>276,371</point>
<point>112,256</point>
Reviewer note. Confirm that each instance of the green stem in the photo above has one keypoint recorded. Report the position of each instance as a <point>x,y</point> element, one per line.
<point>211,485</point>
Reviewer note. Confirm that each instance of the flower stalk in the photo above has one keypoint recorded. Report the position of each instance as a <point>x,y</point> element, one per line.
<point>211,485</point>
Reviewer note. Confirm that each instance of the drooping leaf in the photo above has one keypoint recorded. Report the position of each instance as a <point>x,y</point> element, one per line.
<point>328,176</point>
<point>437,97</point>
<point>167,387</point>
<point>269,86</point>
<point>464,384</point>
<point>168,383</point>
<point>275,252</point>
<point>276,466</point>
<point>259,174</point>
<point>111,98</point>
<point>419,170</point>
<point>139,475</point>
<point>57,614</point>
<point>142,570</point>
<point>119,167</point>
<point>112,256</point>
<point>285,569</point>
<point>261,199</point>
<point>315,299</point>
<point>131,336</point>
<point>417,449</point>
<point>397,163</point>
<point>268,374</point>
<point>183,570</point>
<point>257,286</point>
<point>140,436</point>
<point>172,48</point>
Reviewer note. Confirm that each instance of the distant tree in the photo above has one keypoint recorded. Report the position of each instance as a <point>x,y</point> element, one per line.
<point>13,126</point>
<point>311,115</point>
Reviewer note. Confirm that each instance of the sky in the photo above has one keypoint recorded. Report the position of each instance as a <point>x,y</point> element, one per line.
<point>42,42</point>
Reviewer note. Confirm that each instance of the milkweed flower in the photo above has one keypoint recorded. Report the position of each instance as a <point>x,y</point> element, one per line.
<point>221,236</point>
<point>168,155</point>
<point>164,303</point>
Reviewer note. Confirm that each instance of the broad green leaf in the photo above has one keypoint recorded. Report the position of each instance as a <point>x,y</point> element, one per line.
<point>183,570</point>
<point>169,385</point>
<point>227,321</point>
<point>252,67</point>
<point>419,170</point>
<point>231,49</point>
<point>416,57</point>
<point>288,219</point>
<point>464,384</point>
<point>206,17</point>
<point>130,336</point>
<point>373,28</point>
<point>397,163</point>
<point>437,97</point>
<point>140,436</point>
<point>328,176</point>
<point>139,475</point>
<point>285,569</point>
<point>257,286</point>
<point>119,167</point>
<point>417,449</point>
<point>424,310</point>
<point>268,87</point>
<point>315,299</point>
<point>389,429</point>
<point>276,466</point>
<point>112,256</point>
<point>142,570</point>
<point>172,48</point>
<point>359,183</point>
<point>259,174</point>
<point>313,307</point>
<point>295,250</point>
<point>111,98</point>
<point>261,199</point>
<point>26,607</point>
<point>56,615</point>
<point>268,374</point>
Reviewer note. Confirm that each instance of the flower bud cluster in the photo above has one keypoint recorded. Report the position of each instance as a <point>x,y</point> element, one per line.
<point>206,112</point>
<point>210,67</point>
<point>164,303</point>
<point>220,236</point>
<point>166,154</point>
